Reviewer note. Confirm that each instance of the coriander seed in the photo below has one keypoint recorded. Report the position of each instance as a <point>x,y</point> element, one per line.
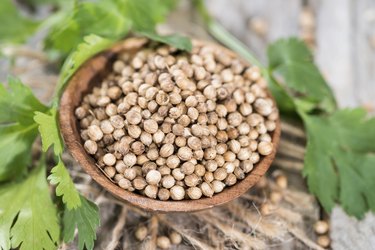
<point>163,194</point>
<point>177,192</point>
<point>141,233</point>
<point>91,147</point>
<point>153,177</point>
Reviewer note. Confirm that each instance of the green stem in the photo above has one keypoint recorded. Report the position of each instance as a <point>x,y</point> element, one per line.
<point>222,35</point>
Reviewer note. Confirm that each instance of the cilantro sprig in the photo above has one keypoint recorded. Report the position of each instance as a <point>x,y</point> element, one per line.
<point>340,156</point>
<point>74,32</point>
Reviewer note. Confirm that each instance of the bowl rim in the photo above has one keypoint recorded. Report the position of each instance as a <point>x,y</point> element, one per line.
<point>81,82</point>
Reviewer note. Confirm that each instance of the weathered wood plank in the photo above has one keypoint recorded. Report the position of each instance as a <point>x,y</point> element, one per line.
<point>364,51</point>
<point>279,18</point>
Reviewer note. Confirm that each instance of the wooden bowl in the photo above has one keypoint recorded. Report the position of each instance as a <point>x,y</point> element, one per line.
<point>89,75</point>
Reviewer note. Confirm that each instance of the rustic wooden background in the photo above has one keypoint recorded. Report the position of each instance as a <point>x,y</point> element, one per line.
<point>342,35</point>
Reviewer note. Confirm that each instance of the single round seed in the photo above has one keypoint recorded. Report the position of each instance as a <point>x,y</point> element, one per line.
<point>139,183</point>
<point>130,159</point>
<point>168,181</point>
<point>95,133</point>
<point>265,148</point>
<point>138,147</point>
<point>133,117</point>
<point>150,126</point>
<point>163,194</point>
<point>164,170</point>
<point>110,171</point>
<point>234,146</point>
<point>192,180</point>
<point>141,233</point>
<point>80,112</point>
<point>166,150</point>
<point>151,191</point>
<point>208,177</point>
<point>91,147</point>
<point>324,241</point>
<point>117,121</point>
<point>200,170</point>
<point>254,157</point>
<point>177,174</point>
<point>134,131</point>
<point>162,98</point>
<point>173,161</point>
<point>243,154</point>
<point>177,192</point>
<point>109,159</point>
<point>217,186</point>
<point>153,177</point>
<point>187,168</point>
<point>194,193</point>
<point>120,167</point>
<point>263,107</point>
<point>230,180</point>
<point>281,180</point>
<point>130,173</point>
<point>220,174</point>
<point>175,238</point>
<point>185,153</point>
<point>124,183</point>
<point>207,189</point>
<point>321,227</point>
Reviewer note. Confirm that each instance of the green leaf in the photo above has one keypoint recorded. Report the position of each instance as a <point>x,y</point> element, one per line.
<point>177,41</point>
<point>49,131</point>
<point>14,27</point>
<point>28,218</point>
<point>340,160</point>
<point>291,59</point>
<point>17,127</point>
<point>18,104</point>
<point>66,34</point>
<point>15,149</point>
<point>65,186</point>
<point>91,45</point>
<point>86,219</point>
<point>145,14</point>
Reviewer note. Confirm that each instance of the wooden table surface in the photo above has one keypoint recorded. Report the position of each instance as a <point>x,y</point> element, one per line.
<point>342,33</point>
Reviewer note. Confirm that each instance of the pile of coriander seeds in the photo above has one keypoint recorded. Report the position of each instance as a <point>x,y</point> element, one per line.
<point>174,125</point>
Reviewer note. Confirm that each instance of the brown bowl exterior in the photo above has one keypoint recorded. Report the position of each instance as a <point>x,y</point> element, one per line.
<point>90,75</point>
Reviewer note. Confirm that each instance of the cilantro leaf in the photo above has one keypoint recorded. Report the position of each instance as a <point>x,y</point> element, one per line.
<point>86,219</point>
<point>49,130</point>
<point>17,127</point>
<point>14,26</point>
<point>91,45</point>
<point>83,21</point>
<point>340,160</point>
<point>65,186</point>
<point>18,104</point>
<point>177,41</point>
<point>145,14</point>
<point>28,218</point>
<point>303,81</point>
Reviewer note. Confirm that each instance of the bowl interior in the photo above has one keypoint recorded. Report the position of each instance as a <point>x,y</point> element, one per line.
<point>90,75</point>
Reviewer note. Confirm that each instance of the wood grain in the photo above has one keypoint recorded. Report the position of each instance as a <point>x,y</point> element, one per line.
<point>89,75</point>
